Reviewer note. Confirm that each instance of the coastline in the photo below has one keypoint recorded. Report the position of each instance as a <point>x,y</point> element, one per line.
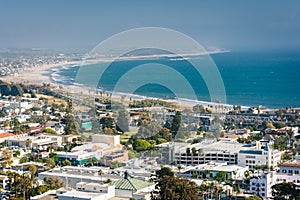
<point>42,74</point>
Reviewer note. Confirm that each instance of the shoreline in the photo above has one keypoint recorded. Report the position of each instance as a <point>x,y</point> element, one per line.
<point>42,74</point>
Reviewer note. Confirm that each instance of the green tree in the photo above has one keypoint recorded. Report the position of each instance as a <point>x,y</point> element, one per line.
<point>53,183</point>
<point>32,169</point>
<point>49,163</point>
<point>141,145</point>
<point>165,134</point>
<point>16,90</point>
<point>122,121</point>
<point>253,198</point>
<point>6,158</point>
<point>24,159</point>
<point>175,124</point>
<point>107,122</point>
<point>164,171</point>
<point>5,89</point>
<point>50,131</point>
<point>285,190</point>
<point>66,163</point>
<point>175,188</point>
<point>220,176</point>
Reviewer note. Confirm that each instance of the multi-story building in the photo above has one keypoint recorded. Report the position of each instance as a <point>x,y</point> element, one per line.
<point>258,155</point>
<point>210,170</point>
<point>288,172</point>
<point>205,152</point>
<point>104,148</point>
<point>228,151</point>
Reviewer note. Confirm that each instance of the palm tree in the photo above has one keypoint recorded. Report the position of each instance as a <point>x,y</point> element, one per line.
<point>179,167</point>
<point>28,143</point>
<point>100,173</point>
<point>211,187</point>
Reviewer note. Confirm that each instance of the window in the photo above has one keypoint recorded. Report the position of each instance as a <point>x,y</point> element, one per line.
<point>296,172</point>
<point>262,194</point>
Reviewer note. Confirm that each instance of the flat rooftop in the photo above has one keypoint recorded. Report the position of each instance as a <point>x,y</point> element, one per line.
<point>217,146</point>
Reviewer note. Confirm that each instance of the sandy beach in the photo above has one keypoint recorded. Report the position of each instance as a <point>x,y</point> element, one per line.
<point>42,74</point>
<point>35,75</point>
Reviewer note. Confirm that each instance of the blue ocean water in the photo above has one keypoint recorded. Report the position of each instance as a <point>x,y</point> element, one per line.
<point>270,79</point>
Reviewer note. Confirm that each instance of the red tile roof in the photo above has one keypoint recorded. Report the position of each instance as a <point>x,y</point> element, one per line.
<point>7,134</point>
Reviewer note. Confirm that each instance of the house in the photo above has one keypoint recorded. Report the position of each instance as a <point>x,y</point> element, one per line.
<point>6,136</point>
<point>3,181</point>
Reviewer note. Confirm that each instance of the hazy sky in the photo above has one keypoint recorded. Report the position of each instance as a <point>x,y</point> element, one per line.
<point>73,23</point>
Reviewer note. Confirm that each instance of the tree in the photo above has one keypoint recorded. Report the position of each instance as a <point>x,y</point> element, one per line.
<point>50,131</point>
<point>220,176</point>
<point>253,198</point>
<point>175,188</point>
<point>164,171</point>
<point>5,89</point>
<point>53,183</point>
<point>175,125</point>
<point>32,169</point>
<point>141,145</point>
<point>16,90</point>
<point>107,122</point>
<point>165,134</point>
<point>49,163</point>
<point>100,173</point>
<point>72,126</point>
<point>66,163</point>
<point>92,161</point>
<point>6,158</point>
<point>122,121</point>
<point>285,190</point>
<point>24,159</point>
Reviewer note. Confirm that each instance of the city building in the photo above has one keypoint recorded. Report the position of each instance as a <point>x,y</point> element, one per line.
<point>89,191</point>
<point>71,175</point>
<point>260,154</point>
<point>225,150</point>
<point>133,188</point>
<point>104,148</point>
<point>288,172</point>
<point>210,170</point>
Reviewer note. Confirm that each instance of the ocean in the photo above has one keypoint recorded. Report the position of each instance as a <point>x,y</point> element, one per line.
<point>270,79</point>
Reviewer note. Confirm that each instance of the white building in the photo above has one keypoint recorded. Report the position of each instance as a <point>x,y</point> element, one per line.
<point>234,172</point>
<point>88,191</point>
<point>207,151</point>
<point>72,175</point>
<point>288,172</point>
<point>231,152</point>
<point>258,155</point>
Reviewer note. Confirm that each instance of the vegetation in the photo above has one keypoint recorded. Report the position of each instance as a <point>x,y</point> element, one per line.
<point>285,190</point>
<point>169,187</point>
<point>6,158</point>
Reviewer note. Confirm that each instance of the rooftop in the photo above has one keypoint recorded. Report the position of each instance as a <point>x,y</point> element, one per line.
<point>219,146</point>
<point>131,184</point>
<point>291,163</point>
<point>4,135</point>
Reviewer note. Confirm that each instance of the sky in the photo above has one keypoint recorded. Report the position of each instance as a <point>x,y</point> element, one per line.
<point>255,24</point>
